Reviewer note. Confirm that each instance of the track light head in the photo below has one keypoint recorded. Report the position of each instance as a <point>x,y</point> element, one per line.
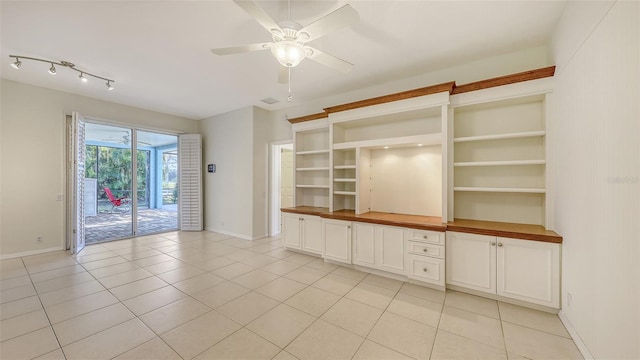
<point>109,86</point>
<point>83,78</point>
<point>17,64</point>
<point>52,70</point>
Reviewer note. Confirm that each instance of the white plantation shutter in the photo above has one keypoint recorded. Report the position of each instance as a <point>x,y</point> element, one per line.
<point>78,154</point>
<point>190,164</point>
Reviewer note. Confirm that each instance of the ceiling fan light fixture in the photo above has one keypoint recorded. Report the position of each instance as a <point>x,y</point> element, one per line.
<point>288,53</point>
<point>109,86</point>
<point>83,78</point>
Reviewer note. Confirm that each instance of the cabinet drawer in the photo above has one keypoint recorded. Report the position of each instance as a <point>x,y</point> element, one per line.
<point>426,269</point>
<point>434,237</point>
<point>424,249</point>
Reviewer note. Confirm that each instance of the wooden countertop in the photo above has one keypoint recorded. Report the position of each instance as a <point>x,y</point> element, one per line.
<point>374,217</point>
<point>509,230</point>
<point>411,221</point>
<point>433,223</point>
<point>306,210</point>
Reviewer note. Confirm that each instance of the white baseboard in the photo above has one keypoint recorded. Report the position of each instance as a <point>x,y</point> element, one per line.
<point>32,252</point>
<point>239,236</point>
<point>574,335</point>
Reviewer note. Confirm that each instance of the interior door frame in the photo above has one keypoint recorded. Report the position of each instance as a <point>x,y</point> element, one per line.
<point>276,184</point>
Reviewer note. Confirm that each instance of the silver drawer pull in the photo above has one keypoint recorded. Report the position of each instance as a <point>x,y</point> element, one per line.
<point>499,244</point>
<point>425,237</point>
<point>424,250</point>
<point>493,243</point>
<point>424,269</point>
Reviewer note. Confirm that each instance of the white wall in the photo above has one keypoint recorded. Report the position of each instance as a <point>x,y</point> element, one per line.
<point>32,149</point>
<point>261,135</point>
<point>228,143</point>
<point>596,149</point>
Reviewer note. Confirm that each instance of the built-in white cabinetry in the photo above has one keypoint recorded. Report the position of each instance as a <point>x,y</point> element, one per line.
<point>312,164</point>
<point>500,155</point>
<point>388,157</point>
<point>379,246</point>
<point>425,256</point>
<point>337,240</point>
<point>303,232</point>
<point>512,268</point>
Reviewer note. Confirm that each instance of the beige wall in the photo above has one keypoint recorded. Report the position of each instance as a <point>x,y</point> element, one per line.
<point>596,149</point>
<point>32,133</point>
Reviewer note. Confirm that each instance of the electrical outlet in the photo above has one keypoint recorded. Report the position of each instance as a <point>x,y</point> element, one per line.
<point>39,239</point>
<point>569,299</point>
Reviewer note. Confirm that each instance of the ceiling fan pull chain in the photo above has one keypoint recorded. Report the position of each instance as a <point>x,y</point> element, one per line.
<point>290,96</point>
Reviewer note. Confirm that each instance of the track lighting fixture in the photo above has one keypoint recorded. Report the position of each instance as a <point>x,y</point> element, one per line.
<point>52,70</point>
<point>17,64</point>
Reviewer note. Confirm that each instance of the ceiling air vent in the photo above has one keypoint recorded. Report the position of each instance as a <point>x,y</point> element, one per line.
<point>269,100</point>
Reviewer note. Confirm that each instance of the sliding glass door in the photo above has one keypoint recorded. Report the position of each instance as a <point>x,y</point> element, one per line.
<point>128,184</point>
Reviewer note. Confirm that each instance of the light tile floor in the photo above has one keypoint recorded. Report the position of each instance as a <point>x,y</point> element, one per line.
<point>208,296</point>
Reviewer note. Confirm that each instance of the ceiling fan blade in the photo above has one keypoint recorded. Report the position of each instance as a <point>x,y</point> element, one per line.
<point>342,17</point>
<point>283,75</point>
<point>241,49</point>
<point>252,8</point>
<point>329,60</point>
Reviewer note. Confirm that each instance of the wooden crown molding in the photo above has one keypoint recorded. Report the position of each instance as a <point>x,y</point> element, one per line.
<point>505,80</point>
<point>300,119</point>
<point>451,87</point>
<point>434,89</point>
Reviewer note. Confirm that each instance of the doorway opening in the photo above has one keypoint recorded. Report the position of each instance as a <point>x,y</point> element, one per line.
<point>127,195</point>
<point>281,183</point>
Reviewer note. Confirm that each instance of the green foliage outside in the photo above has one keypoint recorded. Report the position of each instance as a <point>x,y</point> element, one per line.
<point>112,167</point>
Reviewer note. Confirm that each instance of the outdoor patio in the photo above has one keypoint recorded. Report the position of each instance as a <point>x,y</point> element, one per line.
<point>116,225</point>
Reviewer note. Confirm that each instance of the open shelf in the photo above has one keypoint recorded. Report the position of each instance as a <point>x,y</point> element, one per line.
<point>501,163</point>
<point>312,152</point>
<point>500,136</point>
<point>312,186</point>
<point>320,168</point>
<point>500,190</point>
<point>401,141</point>
<point>345,180</point>
<point>342,167</point>
<point>350,193</point>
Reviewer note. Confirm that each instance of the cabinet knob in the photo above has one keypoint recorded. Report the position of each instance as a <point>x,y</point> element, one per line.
<point>425,237</point>
<point>493,243</point>
<point>424,269</point>
<point>499,244</point>
<point>424,250</point>
<point>349,227</point>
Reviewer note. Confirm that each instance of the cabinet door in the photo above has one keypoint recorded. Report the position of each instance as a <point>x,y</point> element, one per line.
<point>291,230</point>
<point>337,240</point>
<point>312,240</point>
<point>363,244</point>
<point>529,271</point>
<point>390,241</point>
<point>471,261</point>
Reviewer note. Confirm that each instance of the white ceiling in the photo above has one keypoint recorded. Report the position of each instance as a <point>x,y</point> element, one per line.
<point>158,52</point>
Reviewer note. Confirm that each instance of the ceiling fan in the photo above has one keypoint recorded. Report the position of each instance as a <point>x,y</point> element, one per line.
<point>289,45</point>
<point>126,139</point>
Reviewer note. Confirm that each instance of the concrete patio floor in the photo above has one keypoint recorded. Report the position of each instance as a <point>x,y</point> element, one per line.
<point>117,225</point>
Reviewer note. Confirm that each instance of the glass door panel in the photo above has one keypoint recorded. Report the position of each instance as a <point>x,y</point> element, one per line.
<point>157,180</point>
<point>108,183</point>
